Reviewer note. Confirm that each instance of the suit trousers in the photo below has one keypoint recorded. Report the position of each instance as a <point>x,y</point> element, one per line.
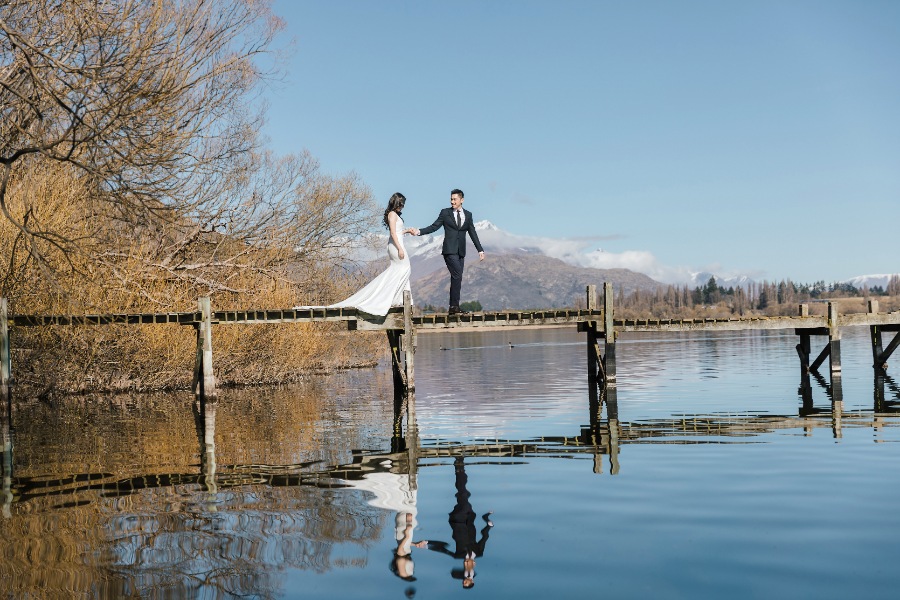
<point>455,264</point>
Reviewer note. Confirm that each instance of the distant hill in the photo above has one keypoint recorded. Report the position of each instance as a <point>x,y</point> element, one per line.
<point>521,281</point>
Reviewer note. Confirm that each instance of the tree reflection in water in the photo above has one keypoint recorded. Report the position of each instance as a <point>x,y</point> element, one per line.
<point>156,495</point>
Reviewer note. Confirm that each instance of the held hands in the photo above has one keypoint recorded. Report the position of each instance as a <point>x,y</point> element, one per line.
<point>412,231</point>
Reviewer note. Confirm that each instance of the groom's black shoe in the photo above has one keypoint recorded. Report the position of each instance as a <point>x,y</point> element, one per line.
<point>455,310</point>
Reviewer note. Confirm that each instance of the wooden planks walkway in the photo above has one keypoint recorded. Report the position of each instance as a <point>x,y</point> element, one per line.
<point>402,326</point>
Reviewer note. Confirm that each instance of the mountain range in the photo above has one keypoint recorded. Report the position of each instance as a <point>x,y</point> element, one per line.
<point>511,276</point>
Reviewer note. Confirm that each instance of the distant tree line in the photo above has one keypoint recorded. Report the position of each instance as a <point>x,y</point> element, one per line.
<point>764,298</point>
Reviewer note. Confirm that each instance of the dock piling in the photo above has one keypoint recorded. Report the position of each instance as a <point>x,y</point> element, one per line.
<point>409,352</point>
<point>594,363</point>
<point>834,340</point>
<point>601,366</point>
<point>804,347</point>
<point>609,335</point>
<point>204,378</point>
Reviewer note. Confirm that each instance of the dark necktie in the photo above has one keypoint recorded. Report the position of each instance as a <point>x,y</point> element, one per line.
<point>458,220</point>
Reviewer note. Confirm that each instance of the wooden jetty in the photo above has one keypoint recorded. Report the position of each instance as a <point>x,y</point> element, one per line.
<point>401,325</point>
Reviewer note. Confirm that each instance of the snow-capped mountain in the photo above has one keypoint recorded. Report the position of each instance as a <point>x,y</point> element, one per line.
<point>702,278</point>
<point>870,280</point>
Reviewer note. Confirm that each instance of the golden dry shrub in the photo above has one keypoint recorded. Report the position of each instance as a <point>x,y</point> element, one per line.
<point>114,268</point>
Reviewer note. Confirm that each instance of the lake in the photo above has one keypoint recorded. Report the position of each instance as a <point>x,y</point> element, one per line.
<point>708,473</point>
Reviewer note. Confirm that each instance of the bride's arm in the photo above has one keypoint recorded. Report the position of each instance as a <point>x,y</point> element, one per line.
<point>392,221</point>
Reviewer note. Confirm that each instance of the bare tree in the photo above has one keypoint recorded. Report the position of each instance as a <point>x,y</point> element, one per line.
<point>146,100</point>
<point>146,114</point>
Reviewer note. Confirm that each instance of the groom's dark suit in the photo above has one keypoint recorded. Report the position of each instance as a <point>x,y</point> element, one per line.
<point>454,249</point>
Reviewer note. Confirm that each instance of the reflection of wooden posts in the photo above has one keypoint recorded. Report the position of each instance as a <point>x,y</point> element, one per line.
<point>204,380</point>
<point>806,396</point>
<point>837,411</point>
<point>5,364</point>
<point>412,453</point>
<point>604,434</point>
<point>398,443</point>
<point>887,392</point>
<point>612,422</point>
<point>880,400</point>
<point>208,447</point>
<point>6,494</point>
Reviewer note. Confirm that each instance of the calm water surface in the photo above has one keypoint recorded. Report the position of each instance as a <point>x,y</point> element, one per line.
<point>709,474</point>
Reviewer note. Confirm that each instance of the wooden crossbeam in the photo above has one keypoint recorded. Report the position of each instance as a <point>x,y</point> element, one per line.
<point>820,359</point>
<point>884,356</point>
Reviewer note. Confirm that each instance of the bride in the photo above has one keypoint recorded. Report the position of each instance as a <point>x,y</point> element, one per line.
<point>386,290</point>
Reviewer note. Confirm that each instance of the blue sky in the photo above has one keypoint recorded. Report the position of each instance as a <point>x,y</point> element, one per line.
<point>758,138</point>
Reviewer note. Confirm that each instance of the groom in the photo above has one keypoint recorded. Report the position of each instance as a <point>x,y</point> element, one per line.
<point>456,223</point>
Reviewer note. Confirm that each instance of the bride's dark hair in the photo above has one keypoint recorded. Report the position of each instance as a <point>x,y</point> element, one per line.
<point>395,204</point>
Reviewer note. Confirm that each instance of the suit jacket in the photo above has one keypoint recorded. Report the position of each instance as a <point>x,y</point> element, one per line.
<point>454,237</point>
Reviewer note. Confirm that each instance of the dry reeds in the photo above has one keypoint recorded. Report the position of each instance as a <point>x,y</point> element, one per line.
<point>112,266</point>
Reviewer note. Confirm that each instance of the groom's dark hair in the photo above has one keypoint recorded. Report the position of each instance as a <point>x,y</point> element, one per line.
<point>461,195</point>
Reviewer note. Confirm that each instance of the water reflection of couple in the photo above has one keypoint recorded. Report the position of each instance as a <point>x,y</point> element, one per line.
<point>393,492</point>
<point>396,493</point>
<point>462,527</point>
<point>386,290</point>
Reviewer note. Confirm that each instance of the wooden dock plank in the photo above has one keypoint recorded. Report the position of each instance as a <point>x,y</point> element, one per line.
<point>549,318</point>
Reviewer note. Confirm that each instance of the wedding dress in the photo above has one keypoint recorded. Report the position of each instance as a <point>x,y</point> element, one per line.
<point>386,290</point>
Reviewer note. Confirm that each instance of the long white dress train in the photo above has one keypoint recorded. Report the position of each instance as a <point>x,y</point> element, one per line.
<point>386,290</point>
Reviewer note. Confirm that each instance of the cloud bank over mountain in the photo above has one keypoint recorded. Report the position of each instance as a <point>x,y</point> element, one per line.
<point>425,253</point>
<point>579,252</point>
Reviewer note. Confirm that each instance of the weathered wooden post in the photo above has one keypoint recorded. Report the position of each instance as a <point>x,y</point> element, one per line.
<point>834,340</point>
<point>803,348</point>
<point>601,368</point>
<point>875,332</point>
<point>609,332</point>
<point>409,350</point>
<point>5,364</point>
<point>204,378</point>
<point>593,354</point>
